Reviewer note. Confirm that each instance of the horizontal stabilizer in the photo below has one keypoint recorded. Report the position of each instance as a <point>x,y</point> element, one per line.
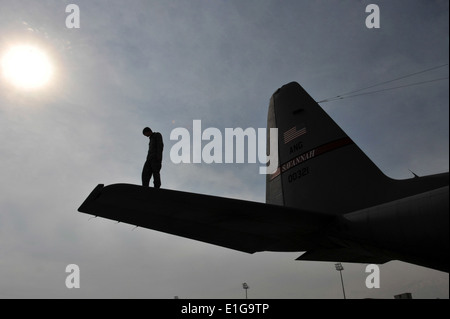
<point>237,224</point>
<point>348,255</point>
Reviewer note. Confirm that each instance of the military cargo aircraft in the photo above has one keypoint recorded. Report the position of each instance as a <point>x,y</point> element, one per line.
<point>326,199</point>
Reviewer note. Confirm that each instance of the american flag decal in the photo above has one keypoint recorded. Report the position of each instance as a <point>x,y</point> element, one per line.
<point>292,134</point>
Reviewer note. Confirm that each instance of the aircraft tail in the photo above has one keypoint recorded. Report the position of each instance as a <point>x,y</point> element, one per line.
<point>320,167</point>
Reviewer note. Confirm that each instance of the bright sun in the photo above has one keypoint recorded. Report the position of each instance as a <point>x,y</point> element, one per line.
<point>26,67</point>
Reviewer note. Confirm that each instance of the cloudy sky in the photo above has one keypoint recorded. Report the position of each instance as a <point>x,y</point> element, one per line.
<point>166,63</point>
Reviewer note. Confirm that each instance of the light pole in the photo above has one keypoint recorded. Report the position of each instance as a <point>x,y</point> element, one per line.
<point>245,286</point>
<point>340,268</point>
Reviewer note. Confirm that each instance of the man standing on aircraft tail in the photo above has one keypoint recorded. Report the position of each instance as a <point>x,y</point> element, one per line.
<point>153,163</point>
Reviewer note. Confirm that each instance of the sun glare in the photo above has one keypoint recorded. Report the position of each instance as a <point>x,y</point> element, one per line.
<point>26,67</point>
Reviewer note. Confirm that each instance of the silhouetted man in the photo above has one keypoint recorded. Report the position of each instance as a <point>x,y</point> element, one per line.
<point>153,163</point>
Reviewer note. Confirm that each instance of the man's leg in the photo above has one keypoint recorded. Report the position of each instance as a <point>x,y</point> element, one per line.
<point>146,174</point>
<point>156,168</point>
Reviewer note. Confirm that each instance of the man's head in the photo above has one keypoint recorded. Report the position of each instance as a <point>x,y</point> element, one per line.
<point>147,131</point>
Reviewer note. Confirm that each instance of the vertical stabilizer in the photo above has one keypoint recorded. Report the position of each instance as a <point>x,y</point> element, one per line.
<point>320,167</point>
